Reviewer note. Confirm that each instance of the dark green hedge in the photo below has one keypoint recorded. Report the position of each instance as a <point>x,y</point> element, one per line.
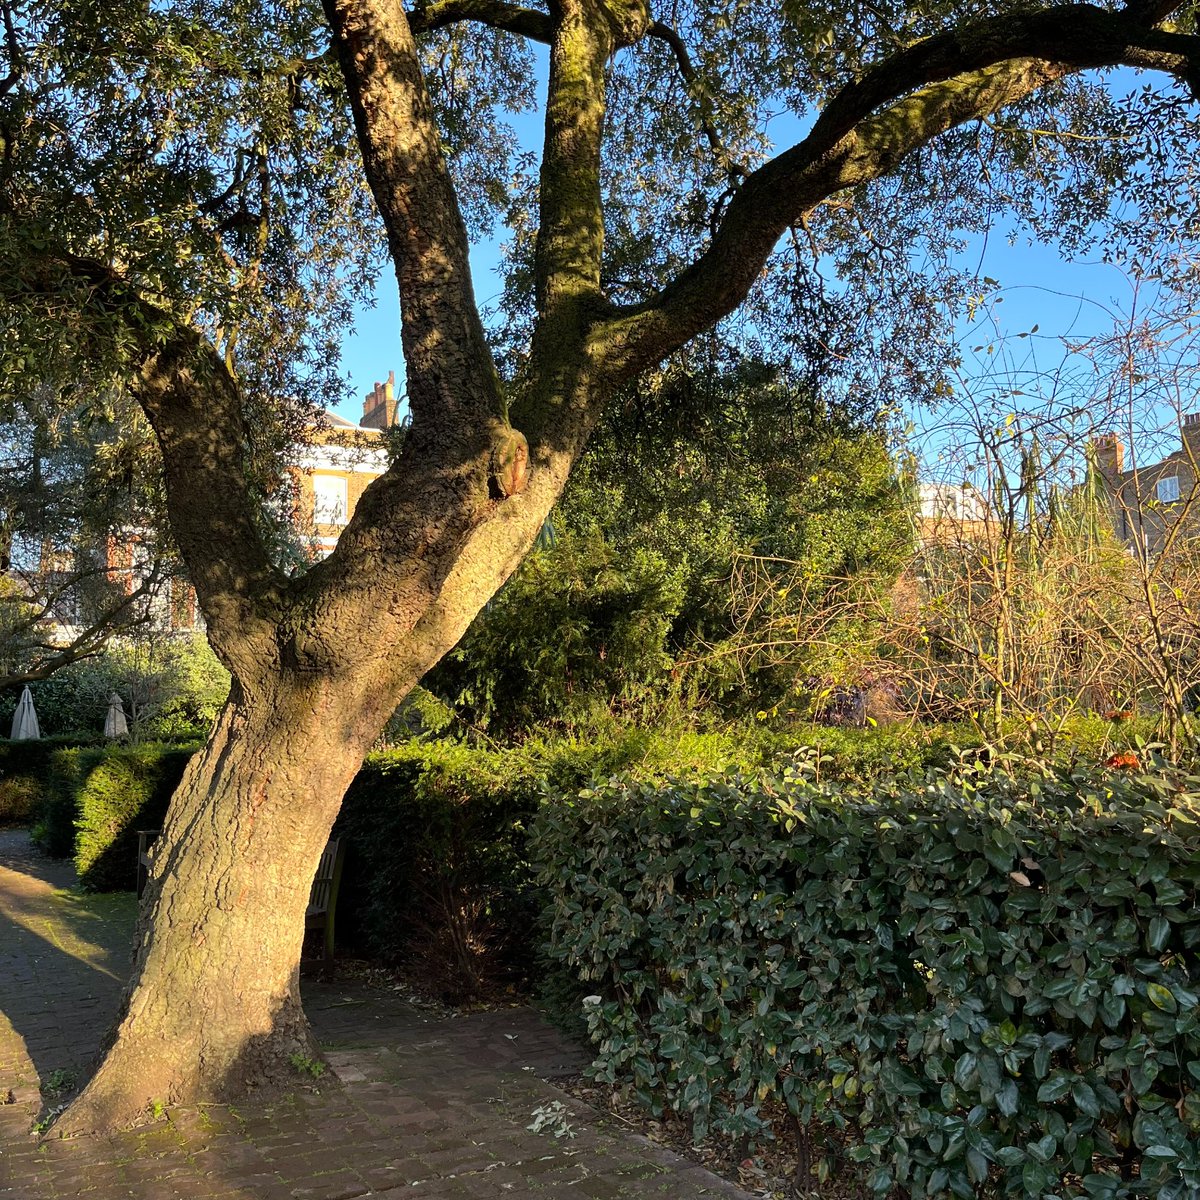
<point>94,799</point>
<point>435,864</point>
<point>436,867</point>
<point>25,769</point>
<point>120,790</point>
<point>992,989</point>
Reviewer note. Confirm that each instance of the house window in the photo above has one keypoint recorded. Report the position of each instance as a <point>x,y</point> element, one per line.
<point>329,500</point>
<point>1168,489</point>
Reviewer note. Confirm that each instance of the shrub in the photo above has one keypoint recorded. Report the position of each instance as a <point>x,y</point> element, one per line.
<point>436,866</point>
<point>23,768</point>
<point>26,769</point>
<point>54,831</point>
<point>119,790</point>
<point>171,686</point>
<point>991,986</point>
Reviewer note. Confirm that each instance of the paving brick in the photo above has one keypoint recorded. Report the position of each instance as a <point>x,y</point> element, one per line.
<point>419,1107</point>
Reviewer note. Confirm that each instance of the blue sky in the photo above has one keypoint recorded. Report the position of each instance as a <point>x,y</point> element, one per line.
<point>1038,287</point>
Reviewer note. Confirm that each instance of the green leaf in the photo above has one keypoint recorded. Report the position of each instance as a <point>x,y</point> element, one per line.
<point>1159,933</point>
<point>1085,1099</point>
<point>1161,997</point>
<point>1055,1088</point>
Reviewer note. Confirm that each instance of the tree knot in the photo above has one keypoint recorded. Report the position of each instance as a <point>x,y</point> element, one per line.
<point>629,20</point>
<point>508,468</point>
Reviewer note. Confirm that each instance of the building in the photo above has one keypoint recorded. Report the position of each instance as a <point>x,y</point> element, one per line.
<point>951,513</point>
<point>328,473</point>
<point>333,469</point>
<point>1148,502</point>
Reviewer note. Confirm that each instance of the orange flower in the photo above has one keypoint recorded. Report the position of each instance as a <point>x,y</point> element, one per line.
<point>1126,760</point>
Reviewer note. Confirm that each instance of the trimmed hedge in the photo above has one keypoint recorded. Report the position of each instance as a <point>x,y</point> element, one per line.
<point>122,789</point>
<point>990,986</point>
<point>95,799</point>
<point>436,866</point>
<point>25,769</point>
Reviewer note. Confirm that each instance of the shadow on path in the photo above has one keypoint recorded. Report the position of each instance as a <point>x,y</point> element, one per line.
<point>415,1105</point>
<point>64,957</point>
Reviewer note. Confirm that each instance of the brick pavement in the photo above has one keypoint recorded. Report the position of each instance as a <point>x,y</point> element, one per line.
<point>422,1106</point>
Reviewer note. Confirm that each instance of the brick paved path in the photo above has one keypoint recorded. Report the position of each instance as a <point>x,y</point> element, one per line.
<point>423,1107</point>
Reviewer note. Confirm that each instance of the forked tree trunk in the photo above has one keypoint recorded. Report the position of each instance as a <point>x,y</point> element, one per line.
<point>219,935</point>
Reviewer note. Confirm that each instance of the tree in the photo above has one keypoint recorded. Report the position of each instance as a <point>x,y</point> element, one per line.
<point>177,195</point>
<point>75,479</point>
<point>632,609</point>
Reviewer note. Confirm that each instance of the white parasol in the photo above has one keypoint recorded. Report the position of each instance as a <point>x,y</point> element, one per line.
<point>115,724</point>
<point>25,722</point>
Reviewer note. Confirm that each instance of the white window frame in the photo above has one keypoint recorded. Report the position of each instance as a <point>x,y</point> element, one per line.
<point>331,500</point>
<point>1167,489</point>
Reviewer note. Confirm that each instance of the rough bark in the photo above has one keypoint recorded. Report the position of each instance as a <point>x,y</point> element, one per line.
<point>214,1009</point>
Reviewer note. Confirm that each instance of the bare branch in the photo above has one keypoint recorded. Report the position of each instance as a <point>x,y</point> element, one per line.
<point>89,642</point>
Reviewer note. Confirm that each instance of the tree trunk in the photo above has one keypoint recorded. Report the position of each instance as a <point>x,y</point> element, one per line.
<point>213,1005</point>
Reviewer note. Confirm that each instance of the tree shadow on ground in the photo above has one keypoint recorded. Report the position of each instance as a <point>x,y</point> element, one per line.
<point>64,958</point>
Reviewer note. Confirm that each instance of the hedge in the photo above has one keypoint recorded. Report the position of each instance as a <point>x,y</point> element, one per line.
<point>25,768</point>
<point>436,867</point>
<point>990,988</point>
<point>95,799</point>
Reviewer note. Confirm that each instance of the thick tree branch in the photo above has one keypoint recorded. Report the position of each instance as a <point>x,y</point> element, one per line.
<point>527,22</point>
<point>195,408</point>
<point>873,123</point>
<point>461,458</point>
<point>12,49</point>
<point>570,242</point>
<point>453,388</point>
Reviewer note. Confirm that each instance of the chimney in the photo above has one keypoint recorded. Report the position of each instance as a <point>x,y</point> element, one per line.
<point>1190,432</point>
<point>1110,454</point>
<point>379,405</point>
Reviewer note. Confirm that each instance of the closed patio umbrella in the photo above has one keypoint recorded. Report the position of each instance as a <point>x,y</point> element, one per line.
<point>25,722</point>
<point>115,724</point>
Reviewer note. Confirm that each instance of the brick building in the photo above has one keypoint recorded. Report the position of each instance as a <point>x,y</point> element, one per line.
<point>1148,502</point>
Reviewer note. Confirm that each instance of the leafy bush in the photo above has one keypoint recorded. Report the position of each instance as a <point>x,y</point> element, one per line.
<point>120,790</point>
<point>436,867</point>
<point>26,768</point>
<point>435,864</point>
<point>578,626</point>
<point>990,985</point>
<point>172,687</point>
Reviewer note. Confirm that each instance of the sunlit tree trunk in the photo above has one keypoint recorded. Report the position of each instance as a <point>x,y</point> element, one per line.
<point>214,1007</point>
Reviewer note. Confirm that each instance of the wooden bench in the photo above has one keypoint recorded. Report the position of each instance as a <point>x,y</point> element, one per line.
<point>322,899</point>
